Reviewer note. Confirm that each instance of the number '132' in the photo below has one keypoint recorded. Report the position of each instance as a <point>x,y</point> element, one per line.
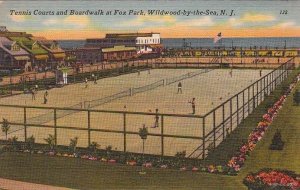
<point>283,12</point>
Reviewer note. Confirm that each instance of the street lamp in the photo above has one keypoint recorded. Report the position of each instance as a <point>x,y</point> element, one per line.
<point>143,132</point>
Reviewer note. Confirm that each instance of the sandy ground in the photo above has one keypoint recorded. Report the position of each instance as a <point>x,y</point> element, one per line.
<point>210,89</point>
<point>19,185</point>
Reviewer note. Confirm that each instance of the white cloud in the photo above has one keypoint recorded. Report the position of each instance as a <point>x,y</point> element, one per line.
<point>286,24</point>
<point>153,19</point>
<point>205,21</point>
<point>77,21</point>
<point>249,18</point>
<point>257,17</point>
<point>234,22</point>
<point>18,18</point>
<point>50,22</point>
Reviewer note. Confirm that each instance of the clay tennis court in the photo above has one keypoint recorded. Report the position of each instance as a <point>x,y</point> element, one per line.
<point>210,88</point>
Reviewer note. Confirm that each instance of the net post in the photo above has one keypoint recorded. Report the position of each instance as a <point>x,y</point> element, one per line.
<point>89,127</point>
<point>124,130</point>
<point>25,125</point>
<point>55,126</point>
<point>162,135</point>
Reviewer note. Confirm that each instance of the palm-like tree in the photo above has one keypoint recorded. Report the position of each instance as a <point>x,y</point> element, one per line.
<point>14,142</point>
<point>50,140</point>
<point>73,144</point>
<point>30,142</point>
<point>143,132</point>
<point>94,146</point>
<point>5,127</point>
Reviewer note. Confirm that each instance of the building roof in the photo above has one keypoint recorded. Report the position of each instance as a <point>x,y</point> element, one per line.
<point>27,44</point>
<point>47,44</point>
<point>129,35</point>
<point>118,48</point>
<point>15,34</point>
<point>5,44</point>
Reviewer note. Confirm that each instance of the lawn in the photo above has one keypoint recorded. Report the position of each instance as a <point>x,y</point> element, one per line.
<point>84,174</point>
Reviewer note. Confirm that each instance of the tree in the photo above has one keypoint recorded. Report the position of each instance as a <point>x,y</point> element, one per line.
<point>94,146</point>
<point>5,127</point>
<point>73,144</point>
<point>14,142</point>
<point>143,132</point>
<point>30,142</point>
<point>50,140</point>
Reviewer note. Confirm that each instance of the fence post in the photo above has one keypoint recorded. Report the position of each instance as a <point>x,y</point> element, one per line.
<point>55,124</point>
<point>237,109</point>
<point>25,125</point>
<point>203,138</point>
<point>124,130</point>
<point>256,93</point>
<point>272,76</point>
<point>214,125</point>
<point>253,97</point>
<point>89,128</point>
<point>162,135</point>
<point>243,104</point>
<point>230,115</point>
<point>248,100</point>
<point>268,84</point>
<point>261,94</point>
<point>274,81</point>
<point>223,118</point>
<point>264,86</point>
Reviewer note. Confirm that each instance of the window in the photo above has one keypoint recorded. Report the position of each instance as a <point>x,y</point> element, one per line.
<point>15,47</point>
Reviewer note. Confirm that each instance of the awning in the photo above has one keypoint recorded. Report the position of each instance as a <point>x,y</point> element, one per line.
<point>21,58</point>
<point>41,57</point>
<point>63,69</point>
<point>59,55</point>
<point>156,45</point>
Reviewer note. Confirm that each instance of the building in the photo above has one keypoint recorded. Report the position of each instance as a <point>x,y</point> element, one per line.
<point>88,55</point>
<point>55,52</point>
<point>12,56</point>
<point>118,53</point>
<point>143,42</point>
<point>70,56</point>
<point>109,42</point>
<point>38,56</point>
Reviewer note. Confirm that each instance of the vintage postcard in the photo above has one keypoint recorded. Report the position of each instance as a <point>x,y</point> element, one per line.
<point>149,95</point>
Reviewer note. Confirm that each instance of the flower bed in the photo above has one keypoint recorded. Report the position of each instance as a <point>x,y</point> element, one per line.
<point>272,179</point>
<point>237,161</point>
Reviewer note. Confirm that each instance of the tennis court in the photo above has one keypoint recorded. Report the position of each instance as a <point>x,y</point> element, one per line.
<point>135,92</point>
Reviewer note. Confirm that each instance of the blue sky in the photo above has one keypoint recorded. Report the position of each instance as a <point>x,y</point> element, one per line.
<point>251,18</point>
